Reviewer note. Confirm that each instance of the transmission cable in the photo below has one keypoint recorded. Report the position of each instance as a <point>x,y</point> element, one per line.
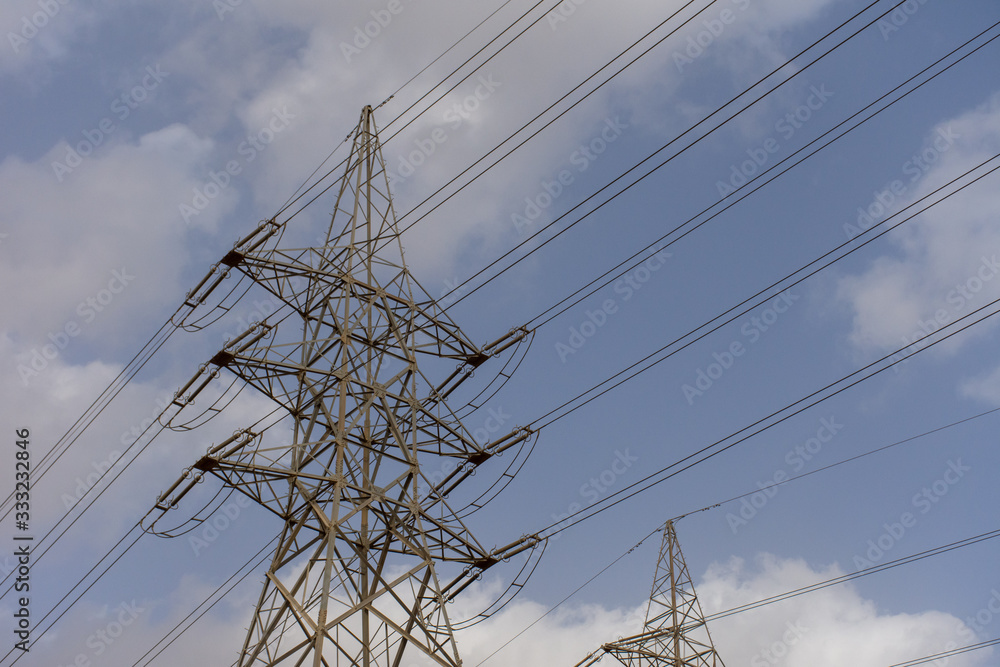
<point>561,114</point>
<point>864,572</point>
<point>565,599</point>
<point>811,588</point>
<point>772,289</point>
<point>828,52</point>
<point>108,554</point>
<point>774,485</point>
<point>891,364</point>
<point>517,131</point>
<point>762,184</point>
<point>948,654</point>
<point>659,150</point>
<point>883,448</point>
<point>778,412</point>
<point>258,557</point>
<point>927,346</point>
<point>833,384</point>
<point>408,123</point>
<point>103,401</point>
<point>39,634</point>
<point>642,162</point>
<point>121,470</point>
<point>604,504</point>
<point>769,416</point>
<point>97,406</point>
<point>93,499</point>
<point>475,69</point>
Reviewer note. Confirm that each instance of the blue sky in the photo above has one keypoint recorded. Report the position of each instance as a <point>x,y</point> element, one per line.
<point>140,142</point>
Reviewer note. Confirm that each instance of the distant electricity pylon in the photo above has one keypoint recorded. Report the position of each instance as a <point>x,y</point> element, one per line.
<point>675,633</point>
<point>370,550</point>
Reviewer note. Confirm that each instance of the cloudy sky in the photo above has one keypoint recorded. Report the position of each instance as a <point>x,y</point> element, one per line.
<point>139,142</point>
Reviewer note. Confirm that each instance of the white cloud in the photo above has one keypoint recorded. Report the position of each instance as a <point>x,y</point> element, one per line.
<point>833,626</point>
<point>100,248</point>
<point>944,264</point>
<point>38,32</point>
<point>325,89</point>
<point>985,388</point>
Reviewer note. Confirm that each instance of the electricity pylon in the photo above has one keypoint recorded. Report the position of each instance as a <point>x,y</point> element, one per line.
<point>675,633</point>
<point>356,577</point>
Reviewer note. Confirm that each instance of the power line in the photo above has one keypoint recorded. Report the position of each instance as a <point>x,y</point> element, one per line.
<point>707,452</point>
<point>803,590</point>
<point>659,150</point>
<point>874,569</point>
<point>253,563</point>
<point>770,291</point>
<point>557,528</point>
<point>408,123</point>
<point>153,346</point>
<point>831,466</point>
<point>566,599</point>
<point>851,459</point>
<point>948,654</point>
<point>244,575</point>
<point>42,631</point>
<point>781,171</point>
<point>552,106</point>
<point>98,406</point>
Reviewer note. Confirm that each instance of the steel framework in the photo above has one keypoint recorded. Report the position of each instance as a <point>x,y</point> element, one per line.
<point>675,633</point>
<point>370,550</point>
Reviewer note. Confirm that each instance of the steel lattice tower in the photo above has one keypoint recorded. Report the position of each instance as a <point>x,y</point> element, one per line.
<point>357,576</point>
<point>675,633</point>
